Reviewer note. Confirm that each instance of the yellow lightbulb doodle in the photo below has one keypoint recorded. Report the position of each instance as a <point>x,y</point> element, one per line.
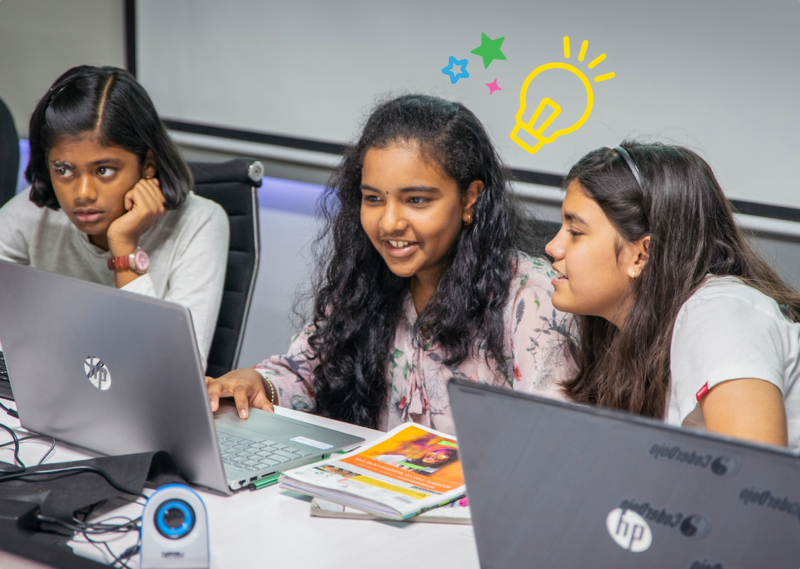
<point>538,132</point>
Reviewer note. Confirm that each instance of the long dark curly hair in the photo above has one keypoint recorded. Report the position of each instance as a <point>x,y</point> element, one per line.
<point>682,208</point>
<point>357,300</point>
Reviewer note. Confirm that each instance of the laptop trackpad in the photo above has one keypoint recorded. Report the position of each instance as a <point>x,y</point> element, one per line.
<point>259,425</point>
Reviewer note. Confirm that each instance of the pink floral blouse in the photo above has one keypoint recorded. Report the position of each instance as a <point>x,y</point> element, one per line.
<point>417,378</point>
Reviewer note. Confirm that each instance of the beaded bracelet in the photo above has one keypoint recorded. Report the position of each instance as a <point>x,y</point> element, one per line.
<point>271,392</point>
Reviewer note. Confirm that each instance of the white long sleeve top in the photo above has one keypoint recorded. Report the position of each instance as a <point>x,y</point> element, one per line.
<point>188,249</point>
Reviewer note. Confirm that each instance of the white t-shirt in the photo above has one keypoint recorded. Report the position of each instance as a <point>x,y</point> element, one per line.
<point>188,249</point>
<point>728,330</point>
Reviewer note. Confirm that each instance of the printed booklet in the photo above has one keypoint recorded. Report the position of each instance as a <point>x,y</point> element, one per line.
<point>409,470</point>
<point>453,513</point>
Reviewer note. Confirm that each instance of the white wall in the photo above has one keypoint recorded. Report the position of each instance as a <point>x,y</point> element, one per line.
<point>40,39</point>
<point>717,75</point>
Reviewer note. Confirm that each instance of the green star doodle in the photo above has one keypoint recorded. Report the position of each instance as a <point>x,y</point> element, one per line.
<point>489,50</point>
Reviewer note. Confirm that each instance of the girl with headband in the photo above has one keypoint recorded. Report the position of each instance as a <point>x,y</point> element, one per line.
<point>676,317</point>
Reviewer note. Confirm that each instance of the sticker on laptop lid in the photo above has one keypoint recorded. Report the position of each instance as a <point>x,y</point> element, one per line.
<point>311,443</point>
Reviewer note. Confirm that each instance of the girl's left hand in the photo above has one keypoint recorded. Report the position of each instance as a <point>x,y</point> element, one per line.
<point>145,205</point>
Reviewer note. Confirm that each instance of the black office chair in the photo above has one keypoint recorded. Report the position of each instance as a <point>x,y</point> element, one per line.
<point>9,155</point>
<point>233,185</point>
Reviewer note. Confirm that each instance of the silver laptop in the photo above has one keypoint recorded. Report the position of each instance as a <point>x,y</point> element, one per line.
<point>555,485</point>
<point>119,373</point>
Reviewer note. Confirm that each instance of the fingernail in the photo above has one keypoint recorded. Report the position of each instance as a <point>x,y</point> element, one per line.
<point>243,414</point>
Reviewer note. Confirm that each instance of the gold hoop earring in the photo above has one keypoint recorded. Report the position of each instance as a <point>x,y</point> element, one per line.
<point>469,219</point>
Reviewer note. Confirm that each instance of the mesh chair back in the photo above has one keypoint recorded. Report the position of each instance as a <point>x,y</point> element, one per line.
<point>9,155</point>
<point>233,185</point>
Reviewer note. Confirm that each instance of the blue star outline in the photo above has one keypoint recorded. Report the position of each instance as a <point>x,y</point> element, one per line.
<point>463,74</point>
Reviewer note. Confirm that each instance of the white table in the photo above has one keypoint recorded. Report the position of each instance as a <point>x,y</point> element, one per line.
<point>273,528</point>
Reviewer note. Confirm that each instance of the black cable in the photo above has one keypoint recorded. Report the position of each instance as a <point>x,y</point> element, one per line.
<point>96,527</point>
<point>101,528</point>
<point>89,509</point>
<point>83,527</point>
<point>31,437</point>
<point>24,474</point>
<point>15,441</point>
<point>27,438</point>
<point>51,449</point>
<point>12,412</point>
<point>132,550</point>
<point>72,470</point>
<point>97,547</point>
<point>130,525</point>
<point>111,553</point>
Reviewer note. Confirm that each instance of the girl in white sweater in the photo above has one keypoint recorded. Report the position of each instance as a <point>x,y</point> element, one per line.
<point>110,199</point>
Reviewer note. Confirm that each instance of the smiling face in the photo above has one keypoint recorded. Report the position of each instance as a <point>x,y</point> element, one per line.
<point>90,181</point>
<point>595,265</point>
<point>437,456</point>
<point>411,211</point>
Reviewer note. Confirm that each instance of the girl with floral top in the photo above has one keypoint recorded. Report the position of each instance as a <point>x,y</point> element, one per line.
<point>424,274</point>
<point>678,318</point>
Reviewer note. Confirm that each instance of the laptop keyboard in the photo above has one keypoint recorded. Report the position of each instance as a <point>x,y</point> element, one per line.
<point>246,455</point>
<point>3,369</point>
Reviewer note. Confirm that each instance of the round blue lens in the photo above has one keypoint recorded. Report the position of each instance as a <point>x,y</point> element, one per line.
<point>174,519</point>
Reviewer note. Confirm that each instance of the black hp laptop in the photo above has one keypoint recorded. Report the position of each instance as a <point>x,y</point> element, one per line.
<point>556,485</point>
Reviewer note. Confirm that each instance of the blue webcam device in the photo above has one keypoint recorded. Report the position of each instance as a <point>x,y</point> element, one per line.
<point>174,530</point>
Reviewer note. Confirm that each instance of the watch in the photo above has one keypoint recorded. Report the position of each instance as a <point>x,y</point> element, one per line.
<point>138,262</point>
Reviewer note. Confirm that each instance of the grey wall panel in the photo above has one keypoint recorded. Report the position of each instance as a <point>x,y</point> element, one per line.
<point>717,75</point>
<point>284,271</point>
<point>41,39</point>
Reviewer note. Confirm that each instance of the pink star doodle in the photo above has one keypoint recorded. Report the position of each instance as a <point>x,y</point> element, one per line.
<point>493,87</point>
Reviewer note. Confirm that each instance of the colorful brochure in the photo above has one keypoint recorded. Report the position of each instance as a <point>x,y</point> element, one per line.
<point>409,470</point>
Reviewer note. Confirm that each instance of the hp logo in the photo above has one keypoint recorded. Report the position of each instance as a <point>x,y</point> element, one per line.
<point>97,372</point>
<point>629,530</point>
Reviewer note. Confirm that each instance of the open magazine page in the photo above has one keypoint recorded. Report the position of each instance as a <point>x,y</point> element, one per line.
<point>409,470</point>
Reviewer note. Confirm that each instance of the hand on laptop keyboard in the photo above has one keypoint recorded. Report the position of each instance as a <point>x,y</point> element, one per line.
<point>247,388</point>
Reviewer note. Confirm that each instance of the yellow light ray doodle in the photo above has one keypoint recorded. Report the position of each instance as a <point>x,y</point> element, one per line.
<point>546,102</point>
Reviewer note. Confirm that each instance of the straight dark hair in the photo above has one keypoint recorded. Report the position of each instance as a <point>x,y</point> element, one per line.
<point>682,208</point>
<point>358,300</point>
<point>107,103</point>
